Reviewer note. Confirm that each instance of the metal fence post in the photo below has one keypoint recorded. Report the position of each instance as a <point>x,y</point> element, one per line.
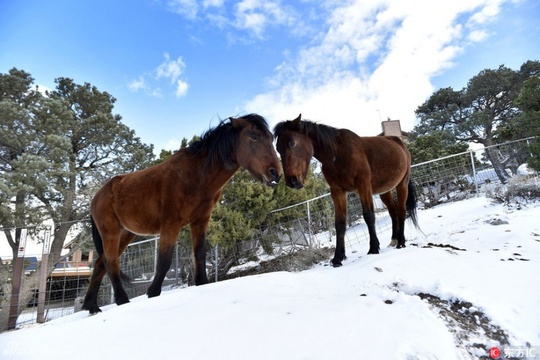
<point>177,266</point>
<point>42,286</point>
<point>309,224</point>
<point>474,172</point>
<point>16,283</point>
<point>155,254</point>
<point>216,262</point>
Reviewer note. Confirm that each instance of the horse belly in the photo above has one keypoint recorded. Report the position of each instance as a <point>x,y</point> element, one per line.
<point>389,165</point>
<point>138,207</point>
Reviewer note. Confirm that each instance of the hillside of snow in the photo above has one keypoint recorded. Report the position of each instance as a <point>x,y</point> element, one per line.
<point>468,284</point>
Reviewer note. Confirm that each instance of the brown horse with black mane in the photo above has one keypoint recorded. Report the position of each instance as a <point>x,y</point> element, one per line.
<point>181,190</point>
<point>350,163</point>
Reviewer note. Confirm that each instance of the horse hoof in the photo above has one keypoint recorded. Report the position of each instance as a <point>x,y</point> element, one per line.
<point>93,310</point>
<point>400,246</point>
<point>122,301</point>
<point>336,263</point>
<point>373,252</point>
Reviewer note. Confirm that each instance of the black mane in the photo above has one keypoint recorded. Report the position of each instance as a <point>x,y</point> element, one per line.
<point>325,136</point>
<point>218,144</point>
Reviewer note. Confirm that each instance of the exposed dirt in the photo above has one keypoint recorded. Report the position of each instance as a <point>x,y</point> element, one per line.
<point>471,328</point>
<point>298,261</point>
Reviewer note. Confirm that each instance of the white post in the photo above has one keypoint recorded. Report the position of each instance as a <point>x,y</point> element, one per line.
<point>216,262</point>
<point>309,225</point>
<point>42,286</point>
<point>474,172</point>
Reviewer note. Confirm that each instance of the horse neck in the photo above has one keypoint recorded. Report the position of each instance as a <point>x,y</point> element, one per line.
<point>219,176</point>
<point>215,177</point>
<point>319,153</point>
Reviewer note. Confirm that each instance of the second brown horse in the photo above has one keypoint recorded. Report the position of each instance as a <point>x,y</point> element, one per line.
<point>350,163</point>
<point>181,190</point>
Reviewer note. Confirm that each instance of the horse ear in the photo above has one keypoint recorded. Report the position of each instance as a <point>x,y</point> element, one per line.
<point>236,123</point>
<point>297,123</point>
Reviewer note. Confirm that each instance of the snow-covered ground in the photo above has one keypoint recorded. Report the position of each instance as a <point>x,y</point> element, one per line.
<point>470,284</point>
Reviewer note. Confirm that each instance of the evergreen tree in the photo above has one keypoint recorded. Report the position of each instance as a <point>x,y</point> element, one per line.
<point>529,121</point>
<point>55,151</point>
<point>433,146</point>
<point>479,112</point>
<point>20,151</point>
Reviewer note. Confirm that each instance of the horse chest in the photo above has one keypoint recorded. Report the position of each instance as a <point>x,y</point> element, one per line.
<point>340,175</point>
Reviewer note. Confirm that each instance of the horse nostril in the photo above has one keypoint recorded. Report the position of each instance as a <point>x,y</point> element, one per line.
<point>293,181</point>
<point>275,176</point>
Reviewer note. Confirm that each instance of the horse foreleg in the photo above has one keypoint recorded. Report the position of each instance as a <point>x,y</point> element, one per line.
<point>374,245</point>
<point>163,265</point>
<point>388,201</point>
<point>340,207</point>
<point>198,237</point>
<point>366,199</point>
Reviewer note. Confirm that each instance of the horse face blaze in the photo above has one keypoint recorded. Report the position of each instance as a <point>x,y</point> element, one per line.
<point>296,152</point>
<point>257,155</point>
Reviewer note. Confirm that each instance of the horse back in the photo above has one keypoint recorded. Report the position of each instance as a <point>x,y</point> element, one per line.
<point>143,200</point>
<point>382,161</point>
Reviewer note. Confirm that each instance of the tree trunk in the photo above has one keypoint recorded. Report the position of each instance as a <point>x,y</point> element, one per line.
<point>491,154</point>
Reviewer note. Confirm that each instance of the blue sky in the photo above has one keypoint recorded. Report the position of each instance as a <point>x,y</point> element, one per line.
<point>176,67</point>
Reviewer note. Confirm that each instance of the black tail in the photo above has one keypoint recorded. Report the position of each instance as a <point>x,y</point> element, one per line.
<point>98,241</point>
<point>411,204</point>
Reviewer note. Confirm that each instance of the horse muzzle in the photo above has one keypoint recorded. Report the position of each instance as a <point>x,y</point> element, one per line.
<point>273,178</point>
<point>294,182</point>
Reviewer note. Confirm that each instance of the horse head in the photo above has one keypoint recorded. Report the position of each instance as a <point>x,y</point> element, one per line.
<point>255,150</point>
<point>296,150</point>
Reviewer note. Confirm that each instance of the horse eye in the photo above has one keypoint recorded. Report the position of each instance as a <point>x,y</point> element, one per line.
<point>254,136</point>
<point>292,143</point>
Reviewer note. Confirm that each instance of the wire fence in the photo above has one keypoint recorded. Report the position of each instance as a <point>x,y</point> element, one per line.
<point>307,225</point>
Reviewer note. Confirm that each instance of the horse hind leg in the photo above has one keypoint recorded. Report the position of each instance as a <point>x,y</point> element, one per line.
<point>101,268</point>
<point>113,270</point>
<point>401,215</point>
<point>90,299</point>
<point>112,255</point>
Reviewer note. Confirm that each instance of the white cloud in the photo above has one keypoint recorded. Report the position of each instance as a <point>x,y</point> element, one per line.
<point>477,35</point>
<point>173,144</point>
<point>137,84</point>
<point>43,89</point>
<point>251,18</point>
<point>171,70</point>
<point>213,3</point>
<point>181,88</point>
<point>377,55</point>
<point>256,15</point>
<point>187,8</point>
